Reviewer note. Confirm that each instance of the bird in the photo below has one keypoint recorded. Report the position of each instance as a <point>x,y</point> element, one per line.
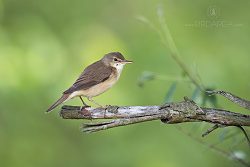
<point>95,79</point>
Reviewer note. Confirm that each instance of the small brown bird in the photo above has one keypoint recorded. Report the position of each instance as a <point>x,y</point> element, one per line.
<point>95,79</point>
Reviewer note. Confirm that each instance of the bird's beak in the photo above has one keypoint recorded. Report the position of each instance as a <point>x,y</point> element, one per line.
<point>126,62</point>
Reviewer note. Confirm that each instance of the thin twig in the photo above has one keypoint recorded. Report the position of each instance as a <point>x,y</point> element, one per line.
<point>245,134</point>
<point>218,150</point>
<point>168,41</point>
<point>174,51</point>
<point>235,99</point>
<point>210,130</point>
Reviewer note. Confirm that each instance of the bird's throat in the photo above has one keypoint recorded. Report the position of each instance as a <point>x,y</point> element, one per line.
<point>119,68</point>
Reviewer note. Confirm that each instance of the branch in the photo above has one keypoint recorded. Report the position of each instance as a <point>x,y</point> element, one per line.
<point>235,99</point>
<point>171,113</point>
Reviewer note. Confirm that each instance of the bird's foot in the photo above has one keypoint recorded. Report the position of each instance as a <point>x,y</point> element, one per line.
<point>112,109</point>
<point>84,107</point>
<point>85,112</point>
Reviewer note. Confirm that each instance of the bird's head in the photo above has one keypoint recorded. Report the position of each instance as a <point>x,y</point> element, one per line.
<point>115,59</point>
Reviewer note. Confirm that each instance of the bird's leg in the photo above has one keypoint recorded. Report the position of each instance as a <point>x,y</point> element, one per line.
<point>83,109</point>
<point>84,104</point>
<point>90,99</point>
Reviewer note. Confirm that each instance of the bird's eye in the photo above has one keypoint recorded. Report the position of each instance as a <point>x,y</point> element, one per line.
<point>115,59</point>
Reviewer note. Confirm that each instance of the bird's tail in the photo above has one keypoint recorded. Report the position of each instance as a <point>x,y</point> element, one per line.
<point>58,102</point>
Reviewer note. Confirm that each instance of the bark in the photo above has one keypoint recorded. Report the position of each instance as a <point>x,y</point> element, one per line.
<point>171,113</point>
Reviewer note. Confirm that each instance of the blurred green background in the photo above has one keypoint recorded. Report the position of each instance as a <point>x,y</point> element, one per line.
<point>45,44</point>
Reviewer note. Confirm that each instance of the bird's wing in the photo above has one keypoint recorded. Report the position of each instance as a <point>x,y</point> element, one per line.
<point>92,75</point>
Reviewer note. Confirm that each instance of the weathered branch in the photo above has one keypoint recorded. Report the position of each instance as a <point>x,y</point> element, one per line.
<point>171,113</point>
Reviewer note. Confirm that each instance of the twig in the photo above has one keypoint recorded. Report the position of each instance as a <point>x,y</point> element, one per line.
<point>210,130</point>
<point>245,134</point>
<point>218,150</point>
<point>168,41</point>
<point>235,99</point>
<point>174,51</point>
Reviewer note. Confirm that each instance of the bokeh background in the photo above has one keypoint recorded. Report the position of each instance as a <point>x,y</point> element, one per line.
<point>45,44</point>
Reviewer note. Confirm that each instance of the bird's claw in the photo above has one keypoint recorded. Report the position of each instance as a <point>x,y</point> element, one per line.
<point>85,112</point>
<point>84,107</point>
<point>112,109</point>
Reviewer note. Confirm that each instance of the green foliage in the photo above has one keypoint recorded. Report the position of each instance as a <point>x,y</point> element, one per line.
<point>145,76</point>
<point>170,93</point>
<point>196,93</point>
